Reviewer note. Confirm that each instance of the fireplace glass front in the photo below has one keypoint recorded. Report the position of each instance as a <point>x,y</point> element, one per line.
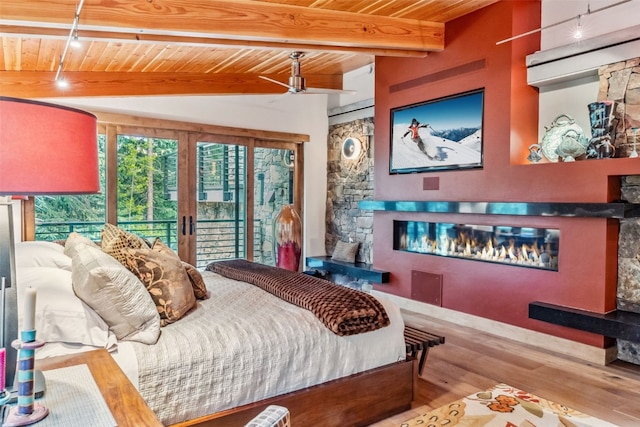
<point>518,246</point>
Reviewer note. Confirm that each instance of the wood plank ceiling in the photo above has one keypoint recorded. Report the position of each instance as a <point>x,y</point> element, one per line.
<point>170,47</point>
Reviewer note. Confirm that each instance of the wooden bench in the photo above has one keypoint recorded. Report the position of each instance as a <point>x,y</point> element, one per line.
<point>420,341</point>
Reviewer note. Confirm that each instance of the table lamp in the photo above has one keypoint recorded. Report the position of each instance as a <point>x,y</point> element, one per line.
<point>44,149</point>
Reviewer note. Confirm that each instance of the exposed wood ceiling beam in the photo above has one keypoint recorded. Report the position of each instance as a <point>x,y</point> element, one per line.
<point>136,37</point>
<point>34,84</point>
<point>238,20</point>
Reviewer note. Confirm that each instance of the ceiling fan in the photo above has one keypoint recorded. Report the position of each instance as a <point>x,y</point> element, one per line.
<point>297,83</point>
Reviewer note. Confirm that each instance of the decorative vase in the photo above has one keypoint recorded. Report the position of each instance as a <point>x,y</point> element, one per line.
<point>602,119</point>
<point>287,237</point>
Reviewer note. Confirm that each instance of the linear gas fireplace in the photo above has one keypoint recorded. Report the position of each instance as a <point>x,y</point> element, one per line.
<point>517,246</point>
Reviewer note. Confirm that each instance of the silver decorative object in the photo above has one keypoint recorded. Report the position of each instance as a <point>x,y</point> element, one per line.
<point>534,153</point>
<point>571,146</point>
<point>563,134</point>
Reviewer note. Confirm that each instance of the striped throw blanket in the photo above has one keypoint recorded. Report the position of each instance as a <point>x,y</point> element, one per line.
<point>343,310</point>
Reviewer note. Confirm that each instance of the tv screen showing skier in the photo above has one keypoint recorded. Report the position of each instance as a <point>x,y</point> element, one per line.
<point>444,133</point>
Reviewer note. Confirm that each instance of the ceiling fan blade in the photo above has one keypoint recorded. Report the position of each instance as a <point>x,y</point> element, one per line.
<point>329,91</point>
<point>275,81</point>
<point>297,82</point>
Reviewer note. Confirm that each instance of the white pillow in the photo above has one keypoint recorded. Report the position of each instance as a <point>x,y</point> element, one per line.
<point>60,315</point>
<point>116,295</point>
<point>41,254</point>
<point>75,241</point>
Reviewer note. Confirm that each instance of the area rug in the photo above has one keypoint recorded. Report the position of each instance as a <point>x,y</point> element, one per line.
<point>504,406</point>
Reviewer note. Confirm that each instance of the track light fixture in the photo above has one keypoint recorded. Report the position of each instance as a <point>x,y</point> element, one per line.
<point>75,42</point>
<point>62,83</point>
<point>578,34</point>
<point>72,40</point>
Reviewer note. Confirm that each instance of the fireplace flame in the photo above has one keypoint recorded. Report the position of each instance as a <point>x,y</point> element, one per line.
<point>466,246</point>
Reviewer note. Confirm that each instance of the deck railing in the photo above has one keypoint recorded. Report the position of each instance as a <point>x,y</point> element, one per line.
<point>216,239</point>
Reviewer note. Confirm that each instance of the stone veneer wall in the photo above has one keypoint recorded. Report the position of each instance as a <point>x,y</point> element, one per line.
<point>620,82</point>
<point>348,182</point>
<point>628,295</point>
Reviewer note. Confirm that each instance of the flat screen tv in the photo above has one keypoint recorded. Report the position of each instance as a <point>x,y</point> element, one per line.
<point>440,134</point>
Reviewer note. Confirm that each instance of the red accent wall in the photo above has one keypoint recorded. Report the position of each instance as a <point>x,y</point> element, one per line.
<point>588,246</point>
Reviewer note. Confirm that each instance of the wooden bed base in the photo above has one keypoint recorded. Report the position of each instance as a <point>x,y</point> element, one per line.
<point>358,400</point>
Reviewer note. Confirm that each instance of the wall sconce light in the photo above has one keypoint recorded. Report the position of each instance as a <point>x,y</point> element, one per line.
<point>351,148</point>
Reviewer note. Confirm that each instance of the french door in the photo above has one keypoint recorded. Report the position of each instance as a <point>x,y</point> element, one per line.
<point>208,196</point>
<point>238,191</point>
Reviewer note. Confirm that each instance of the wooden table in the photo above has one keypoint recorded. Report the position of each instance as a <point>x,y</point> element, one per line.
<point>125,403</point>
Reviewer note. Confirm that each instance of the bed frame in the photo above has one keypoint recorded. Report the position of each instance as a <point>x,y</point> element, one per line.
<point>358,400</point>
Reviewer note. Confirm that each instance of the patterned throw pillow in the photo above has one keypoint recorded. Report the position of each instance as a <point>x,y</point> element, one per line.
<point>345,251</point>
<point>115,242</point>
<point>159,246</point>
<point>166,280</point>
<point>197,282</point>
<point>199,287</point>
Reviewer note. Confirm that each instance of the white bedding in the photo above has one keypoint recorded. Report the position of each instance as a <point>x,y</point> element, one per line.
<point>243,345</point>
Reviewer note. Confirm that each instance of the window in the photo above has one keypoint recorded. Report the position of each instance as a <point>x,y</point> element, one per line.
<point>57,216</point>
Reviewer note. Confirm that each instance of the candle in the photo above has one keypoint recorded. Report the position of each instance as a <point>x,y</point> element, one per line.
<point>29,309</point>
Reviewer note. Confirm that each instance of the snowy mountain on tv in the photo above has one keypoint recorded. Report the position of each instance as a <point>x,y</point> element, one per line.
<point>439,150</point>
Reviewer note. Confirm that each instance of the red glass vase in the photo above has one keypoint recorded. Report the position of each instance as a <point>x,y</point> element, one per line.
<point>287,237</point>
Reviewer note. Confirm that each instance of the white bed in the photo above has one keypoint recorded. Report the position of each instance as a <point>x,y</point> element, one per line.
<point>241,345</point>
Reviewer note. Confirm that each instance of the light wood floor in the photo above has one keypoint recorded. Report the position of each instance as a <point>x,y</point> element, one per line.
<point>471,361</point>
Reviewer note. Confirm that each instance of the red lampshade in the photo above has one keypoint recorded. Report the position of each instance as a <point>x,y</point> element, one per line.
<point>47,149</point>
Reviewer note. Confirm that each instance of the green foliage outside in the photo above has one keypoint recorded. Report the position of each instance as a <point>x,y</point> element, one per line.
<point>146,171</point>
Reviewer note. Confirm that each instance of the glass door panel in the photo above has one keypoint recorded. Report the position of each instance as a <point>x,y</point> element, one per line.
<point>57,216</point>
<point>273,188</point>
<point>147,187</point>
<point>221,206</point>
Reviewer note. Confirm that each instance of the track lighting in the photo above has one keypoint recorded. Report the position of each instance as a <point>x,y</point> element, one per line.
<point>577,34</point>
<point>62,83</point>
<point>75,42</point>
<point>72,40</point>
